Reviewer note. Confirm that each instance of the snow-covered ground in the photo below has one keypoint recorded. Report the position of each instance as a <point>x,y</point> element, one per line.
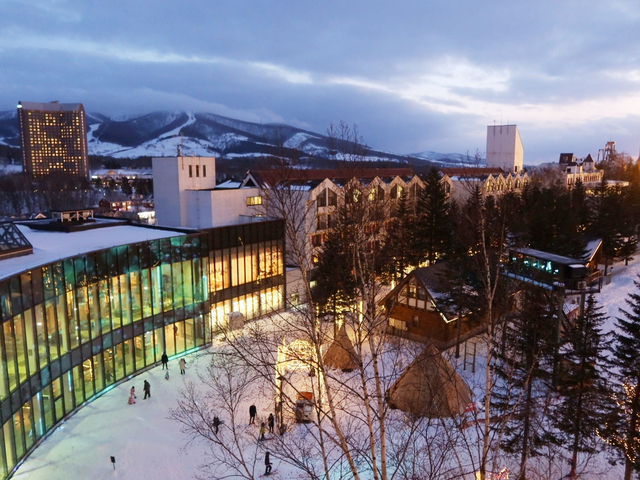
<point>144,441</point>
<point>148,445</point>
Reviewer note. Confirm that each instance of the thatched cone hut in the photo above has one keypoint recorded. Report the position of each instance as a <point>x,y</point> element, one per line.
<point>341,354</point>
<point>430,387</point>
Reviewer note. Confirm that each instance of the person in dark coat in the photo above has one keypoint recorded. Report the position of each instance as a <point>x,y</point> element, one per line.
<point>216,424</point>
<point>165,360</point>
<point>147,390</point>
<point>267,463</point>
<point>252,414</point>
<point>270,422</point>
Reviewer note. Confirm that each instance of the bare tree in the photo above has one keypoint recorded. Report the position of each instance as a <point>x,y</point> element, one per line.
<point>352,430</point>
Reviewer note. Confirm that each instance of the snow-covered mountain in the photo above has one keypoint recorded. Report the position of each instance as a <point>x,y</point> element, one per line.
<point>204,134</point>
<point>449,159</point>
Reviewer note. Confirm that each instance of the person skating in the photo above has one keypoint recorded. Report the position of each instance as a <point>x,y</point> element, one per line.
<point>267,463</point>
<point>165,360</point>
<point>132,396</point>
<point>147,390</point>
<point>183,366</point>
<point>252,414</point>
<point>263,429</point>
<point>270,422</point>
<point>216,424</point>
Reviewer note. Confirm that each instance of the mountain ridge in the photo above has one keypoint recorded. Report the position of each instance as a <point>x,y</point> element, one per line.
<point>164,133</point>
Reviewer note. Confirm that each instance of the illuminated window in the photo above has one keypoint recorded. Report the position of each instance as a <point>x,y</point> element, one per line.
<point>252,201</point>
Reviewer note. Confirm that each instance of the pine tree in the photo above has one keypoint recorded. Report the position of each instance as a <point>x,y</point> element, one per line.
<point>622,431</point>
<point>397,249</point>
<point>433,226</point>
<point>524,367</point>
<point>582,387</point>
<point>613,222</point>
<point>548,223</point>
<point>579,206</point>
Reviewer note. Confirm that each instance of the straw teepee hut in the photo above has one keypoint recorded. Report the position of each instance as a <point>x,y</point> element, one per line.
<point>341,354</point>
<point>430,387</point>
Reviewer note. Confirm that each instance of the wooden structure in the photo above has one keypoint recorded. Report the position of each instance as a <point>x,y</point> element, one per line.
<point>430,387</point>
<point>416,309</point>
<point>341,354</point>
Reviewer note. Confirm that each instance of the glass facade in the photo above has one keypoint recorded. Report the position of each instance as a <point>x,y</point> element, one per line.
<point>73,328</point>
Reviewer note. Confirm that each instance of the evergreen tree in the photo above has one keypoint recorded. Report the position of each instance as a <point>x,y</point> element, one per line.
<point>335,286</point>
<point>548,223</point>
<point>126,187</point>
<point>397,248</point>
<point>579,207</point>
<point>581,384</point>
<point>524,367</point>
<point>622,431</point>
<point>433,226</point>
<point>613,222</point>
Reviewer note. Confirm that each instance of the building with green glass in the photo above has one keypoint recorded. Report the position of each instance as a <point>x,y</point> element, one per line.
<point>86,307</point>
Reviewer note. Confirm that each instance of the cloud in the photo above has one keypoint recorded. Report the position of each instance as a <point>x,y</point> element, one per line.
<point>413,75</point>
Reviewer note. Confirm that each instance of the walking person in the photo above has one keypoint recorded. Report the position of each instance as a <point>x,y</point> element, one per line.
<point>183,366</point>
<point>147,390</point>
<point>165,360</point>
<point>270,422</point>
<point>216,424</point>
<point>252,414</point>
<point>263,429</point>
<point>267,463</point>
<point>132,396</point>
<point>166,375</point>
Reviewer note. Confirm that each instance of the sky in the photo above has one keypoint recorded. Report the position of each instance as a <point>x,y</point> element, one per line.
<point>413,75</point>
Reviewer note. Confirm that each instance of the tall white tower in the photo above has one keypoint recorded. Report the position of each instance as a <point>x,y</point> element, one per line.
<point>504,148</point>
<point>173,179</point>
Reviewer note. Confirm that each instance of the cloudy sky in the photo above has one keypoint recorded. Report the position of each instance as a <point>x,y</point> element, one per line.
<point>413,75</point>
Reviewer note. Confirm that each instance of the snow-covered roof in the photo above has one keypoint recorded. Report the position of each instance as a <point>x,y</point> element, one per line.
<point>591,248</point>
<point>50,246</point>
<point>229,184</point>
<point>548,256</point>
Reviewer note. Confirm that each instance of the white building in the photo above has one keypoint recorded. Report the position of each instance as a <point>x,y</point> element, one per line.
<point>186,194</point>
<point>582,169</point>
<point>460,182</point>
<point>504,148</point>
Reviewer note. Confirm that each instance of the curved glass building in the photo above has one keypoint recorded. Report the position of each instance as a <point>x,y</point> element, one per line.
<point>87,308</point>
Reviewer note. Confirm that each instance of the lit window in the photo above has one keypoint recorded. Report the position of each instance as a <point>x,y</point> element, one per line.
<point>251,201</point>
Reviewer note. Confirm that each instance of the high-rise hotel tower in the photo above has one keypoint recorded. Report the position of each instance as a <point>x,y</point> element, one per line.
<point>54,138</point>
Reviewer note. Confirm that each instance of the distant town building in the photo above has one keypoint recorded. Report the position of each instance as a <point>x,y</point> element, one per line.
<point>504,148</point>
<point>54,138</point>
<point>503,173</point>
<point>105,175</point>
<point>459,182</point>
<point>583,169</point>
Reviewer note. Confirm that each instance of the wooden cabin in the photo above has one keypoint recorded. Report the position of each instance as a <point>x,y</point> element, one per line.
<point>417,310</point>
